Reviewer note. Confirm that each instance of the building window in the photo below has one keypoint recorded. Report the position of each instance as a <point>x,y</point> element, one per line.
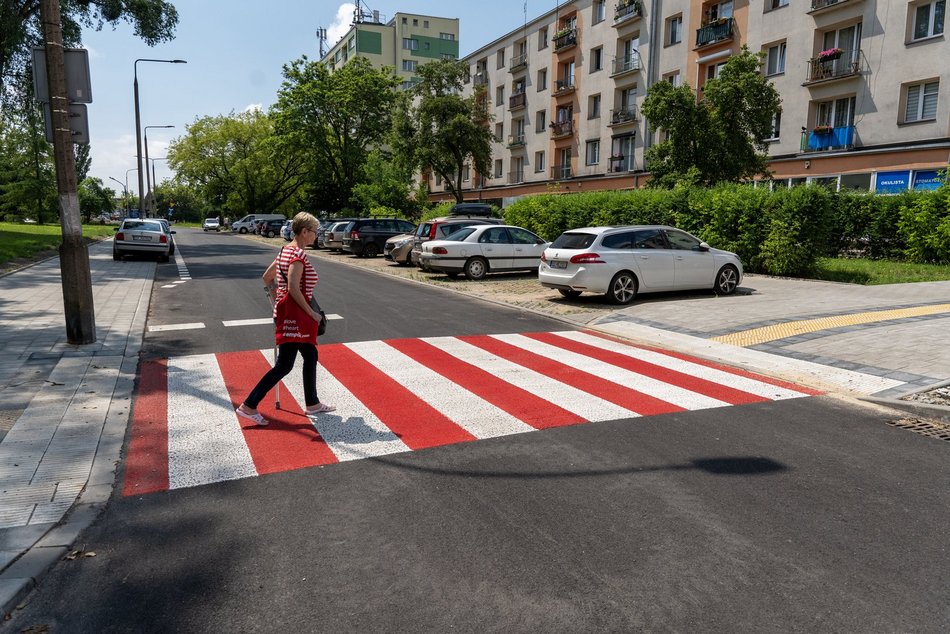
<point>540,119</point>
<point>499,168</point>
<point>542,38</point>
<point>539,161</point>
<point>500,59</point>
<point>499,95</point>
<point>425,24</point>
<point>415,22</point>
<point>776,126</point>
<point>466,175</point>
<point>719,11</point>
<point>674,78</point>
<point>542,79</point>
<point>928,19</point>
<point>713,70</point>
<point>406,21</point>
<point>447,36</point>
<point>351,44</point>
<point>596,59</point>
<point>593,107</point>
<point>593,152</point>
<point>500,131</point>
<point>438,178</point>
<point>921,102</point>
<point>674,30</point>
<point>409,65</point>
<point>600,11</point>
<point>775,4</point>
<point>775,62</point>
<point>410,44</point>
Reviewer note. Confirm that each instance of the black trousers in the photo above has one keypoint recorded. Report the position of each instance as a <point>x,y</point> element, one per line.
<point>286,355</point>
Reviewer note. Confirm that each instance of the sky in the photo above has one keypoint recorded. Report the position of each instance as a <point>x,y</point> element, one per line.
<point>236,50</point>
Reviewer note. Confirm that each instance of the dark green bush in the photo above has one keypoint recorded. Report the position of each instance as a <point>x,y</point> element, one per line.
<point>925,225</point>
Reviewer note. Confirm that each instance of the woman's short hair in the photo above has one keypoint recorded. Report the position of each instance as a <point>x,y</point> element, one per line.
<point>302,221</point>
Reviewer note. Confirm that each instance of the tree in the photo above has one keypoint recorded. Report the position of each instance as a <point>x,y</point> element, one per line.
<point>443,131</point>
<point>27,176</point>
<point>94,198</point>
<point>184,201</point>
<point>335,118</point>
<point>718,138</point>
<point>387,183</point>
<point>238,163</point>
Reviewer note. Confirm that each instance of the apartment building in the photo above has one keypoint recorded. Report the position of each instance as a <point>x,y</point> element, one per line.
<point>865,89</point>
<point>402,43</point>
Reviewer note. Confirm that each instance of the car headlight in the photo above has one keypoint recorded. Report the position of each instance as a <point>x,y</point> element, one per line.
<point>400,244</point>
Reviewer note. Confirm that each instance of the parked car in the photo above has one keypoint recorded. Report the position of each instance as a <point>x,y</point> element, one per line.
<point>334,237</point>
<point>259,226</point>
<point>624,261</point>
<point>141,236</point>
<point>461,215</point>
<point>246,224</point>
<point>211,224</point>
<point>285,231</point>
<point>367,237</point>
<point>482,249</point>
<point>168,231</point>
<point>272,228</point>
<point>325,225</point>
<point>398,249</point>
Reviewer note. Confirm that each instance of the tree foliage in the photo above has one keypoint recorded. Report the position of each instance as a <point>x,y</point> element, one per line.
<point>335,119</point>
<point>720,137</point>
<point>27,175</point>
<point>238,163</point>
<point>386,183</point>
<point>442,131</point>
<point>94,198</point>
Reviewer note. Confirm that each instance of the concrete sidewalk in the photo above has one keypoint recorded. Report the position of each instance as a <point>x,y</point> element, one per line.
<point>64,409</point>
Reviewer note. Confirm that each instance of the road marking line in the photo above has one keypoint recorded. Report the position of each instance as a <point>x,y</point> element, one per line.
<point>775,332</point>
<point>248,322</point>
<point>167,327</point>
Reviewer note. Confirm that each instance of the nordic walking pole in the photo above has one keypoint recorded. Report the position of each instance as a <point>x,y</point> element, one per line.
<point>270,298</point>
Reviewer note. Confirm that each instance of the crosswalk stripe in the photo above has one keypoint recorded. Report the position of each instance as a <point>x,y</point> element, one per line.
<point>406,394</point>
<point>205,442</point>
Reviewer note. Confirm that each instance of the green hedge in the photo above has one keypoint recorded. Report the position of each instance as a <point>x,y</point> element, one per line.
<point>781,233</point>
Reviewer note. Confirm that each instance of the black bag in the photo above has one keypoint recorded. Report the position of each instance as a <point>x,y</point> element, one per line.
<point>322,327</point>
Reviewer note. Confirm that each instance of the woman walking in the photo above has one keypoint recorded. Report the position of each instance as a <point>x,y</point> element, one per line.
<point>297,323</point>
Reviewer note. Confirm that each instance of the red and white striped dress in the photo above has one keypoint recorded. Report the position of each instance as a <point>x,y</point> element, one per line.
<point>288,255</point>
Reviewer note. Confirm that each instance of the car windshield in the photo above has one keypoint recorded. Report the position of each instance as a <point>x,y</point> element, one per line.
<point>460,234</point>
<point>570,240</point>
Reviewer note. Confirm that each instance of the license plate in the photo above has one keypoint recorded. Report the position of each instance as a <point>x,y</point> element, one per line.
<point>557,264</point>
<point>142,238</point>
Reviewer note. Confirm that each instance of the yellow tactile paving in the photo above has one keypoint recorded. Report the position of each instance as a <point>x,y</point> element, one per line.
<point>792,328</point>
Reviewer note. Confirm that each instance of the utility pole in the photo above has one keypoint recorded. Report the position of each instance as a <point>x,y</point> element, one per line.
<point>73,253</point>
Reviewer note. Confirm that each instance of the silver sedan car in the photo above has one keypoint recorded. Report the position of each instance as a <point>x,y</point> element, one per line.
<point>623,261</point>
<point>141,236</point>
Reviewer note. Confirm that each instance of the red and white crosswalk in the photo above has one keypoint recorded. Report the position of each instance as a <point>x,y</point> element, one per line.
<point>407,394</point>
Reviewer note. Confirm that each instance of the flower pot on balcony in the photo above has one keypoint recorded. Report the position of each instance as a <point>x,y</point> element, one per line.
<point>830,55</point>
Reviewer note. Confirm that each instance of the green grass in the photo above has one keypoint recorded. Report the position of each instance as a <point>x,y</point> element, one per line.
<point>872,272</point>
<point>27,241</point>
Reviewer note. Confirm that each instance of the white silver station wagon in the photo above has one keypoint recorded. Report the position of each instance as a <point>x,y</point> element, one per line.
<point>623,261</point>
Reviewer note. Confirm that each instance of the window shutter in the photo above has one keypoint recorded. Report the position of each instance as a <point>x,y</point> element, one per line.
<point>913,103</point>
<point>929,110</point>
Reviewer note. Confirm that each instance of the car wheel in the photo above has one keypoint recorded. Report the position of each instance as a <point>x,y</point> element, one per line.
<point>476,268</point>
<point>569,293</point>
<point>116,255</point>
<point>623,288</point>
<point>370,250</point>
<point>242,230</point>
<point>726,280</point>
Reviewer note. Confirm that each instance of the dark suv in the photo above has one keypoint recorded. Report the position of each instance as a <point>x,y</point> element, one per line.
<point>460,216</point>
<point>366,237</point>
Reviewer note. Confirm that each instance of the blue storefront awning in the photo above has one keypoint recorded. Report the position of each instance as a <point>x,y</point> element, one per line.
<point>892,182</point>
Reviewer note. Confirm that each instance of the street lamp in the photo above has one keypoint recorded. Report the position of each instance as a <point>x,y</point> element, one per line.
<point>138,122</point>
<point>148,182</point>
<point>154,179</point>
<point>125,187</point>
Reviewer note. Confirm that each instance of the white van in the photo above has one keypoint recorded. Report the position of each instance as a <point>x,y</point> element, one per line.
<point>246,223</point>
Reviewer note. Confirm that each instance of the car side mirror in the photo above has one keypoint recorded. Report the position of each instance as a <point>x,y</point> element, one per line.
<point>703,246</point>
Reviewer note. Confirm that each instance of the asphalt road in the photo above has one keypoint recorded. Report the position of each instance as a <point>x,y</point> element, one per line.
<point>801,515</point>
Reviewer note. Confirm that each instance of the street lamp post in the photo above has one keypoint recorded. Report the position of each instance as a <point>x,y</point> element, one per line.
<point>154,179</point>
<point>147,180</point>
<point>138,120</point>
<point>125,188</point>
<point>128,207</point>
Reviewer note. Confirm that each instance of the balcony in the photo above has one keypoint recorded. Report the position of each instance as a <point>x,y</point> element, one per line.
<point>820,6</point>
<point>515,141</point>
<point>838,64</point>
<point>564,86</point>
<point>620,163</point>
<point>627,11</point>
<point>623,116</point>
<point>518,101</point>
<point>518,63</point>
<point>480,79</point>
<point>561,129</point>
<point>625,64</point>
<point>560,172</point>
<point>515,177</point>
<point>719,30</point>
<point>565,39</point>
<point>825,138</point>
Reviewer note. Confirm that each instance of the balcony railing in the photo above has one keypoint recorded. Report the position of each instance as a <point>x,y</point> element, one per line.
<point>564,86</point>
<point>627,10</point>
<point>716,31</point>
<point>559,172</point>
<point>516,176</point>
<point>818,5</point>
<point>625,64</point>
<point>517,101</point>
<point>562,128</point>
<point>518,63</point>
<point>623,116</point>
<point>565,39</point>
<point>515,141</point>
<point>480,79</point>
<point>620,163</point>
<point>826,138</point>
<point>836,66</point>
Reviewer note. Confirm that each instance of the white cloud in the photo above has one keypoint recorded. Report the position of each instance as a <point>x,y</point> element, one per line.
<point>254,107</point>
<point>341,23</point>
